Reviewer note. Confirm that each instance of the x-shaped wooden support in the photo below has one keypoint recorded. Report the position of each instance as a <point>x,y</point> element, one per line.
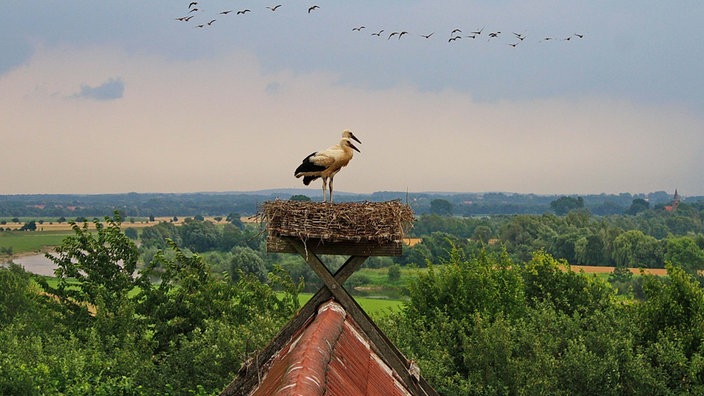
<point>333,284</point>
<point>333,288</point>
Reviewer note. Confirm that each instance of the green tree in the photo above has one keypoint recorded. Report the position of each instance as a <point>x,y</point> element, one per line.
<point>524,234</point>
<point>482,233</point>
<point>635,249</point>
<point>95,268</point>
<point>671,329</point>
<point>684,252</point>
<point>15,296</point>
<point>236,220</point>
<point>300,198</point>
<point>132,233</point>
<point>416,255</point>
<point>157,235</point>
<point>232,236</point>
<point>394,273</point>
<point>442,323</point>
<point>246,260</point>
<point>200,236</point>
<point>441,207</point>
<point>638,205</point>
<point>550,280</point>
<point>440,245</point>
<point>29,226</point>
<point>564,204</point>
<point>589,250</point>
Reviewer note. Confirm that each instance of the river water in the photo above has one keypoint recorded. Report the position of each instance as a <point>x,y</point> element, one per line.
<point>36,263</point>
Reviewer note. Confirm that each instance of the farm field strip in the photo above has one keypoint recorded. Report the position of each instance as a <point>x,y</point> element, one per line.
<point>593,269</point>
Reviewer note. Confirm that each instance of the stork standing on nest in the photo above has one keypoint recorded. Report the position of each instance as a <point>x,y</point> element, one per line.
<point>326,163</point>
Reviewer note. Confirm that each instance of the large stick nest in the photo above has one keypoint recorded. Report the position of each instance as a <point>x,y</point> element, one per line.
<point>381,222</point>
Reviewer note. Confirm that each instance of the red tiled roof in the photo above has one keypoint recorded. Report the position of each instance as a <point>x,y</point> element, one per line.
<point>329,357</point>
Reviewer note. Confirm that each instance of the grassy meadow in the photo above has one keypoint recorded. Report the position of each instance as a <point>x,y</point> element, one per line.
<point>30,241</point>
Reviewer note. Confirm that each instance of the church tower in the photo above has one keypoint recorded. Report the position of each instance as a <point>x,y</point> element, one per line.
<point>675,202</point>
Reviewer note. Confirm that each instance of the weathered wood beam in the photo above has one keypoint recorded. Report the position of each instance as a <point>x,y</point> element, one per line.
<point>244,384</point>
<point>385,348</point>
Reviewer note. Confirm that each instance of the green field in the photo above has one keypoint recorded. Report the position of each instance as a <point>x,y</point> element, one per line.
<point>371,306</point>
<point>27,242</point>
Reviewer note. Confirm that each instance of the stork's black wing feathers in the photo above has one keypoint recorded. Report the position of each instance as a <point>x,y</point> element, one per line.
<point>308,179</point>
<point>308,166</point>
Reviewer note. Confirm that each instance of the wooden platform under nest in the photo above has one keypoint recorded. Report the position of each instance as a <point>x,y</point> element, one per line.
<point>349,228</point>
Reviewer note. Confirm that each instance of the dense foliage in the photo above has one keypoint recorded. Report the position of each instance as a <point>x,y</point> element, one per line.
<point>497,311</point>
<point>105,328</point>
<point>490,326</point>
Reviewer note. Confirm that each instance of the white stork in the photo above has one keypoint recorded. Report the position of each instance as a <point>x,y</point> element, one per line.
<point>326,163</point>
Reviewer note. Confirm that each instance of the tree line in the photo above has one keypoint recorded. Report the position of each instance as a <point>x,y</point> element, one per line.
<point>648,238</point>
<point>143,205</point>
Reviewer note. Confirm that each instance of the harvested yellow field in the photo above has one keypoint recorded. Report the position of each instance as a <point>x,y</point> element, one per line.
<point>412,241</point>
<point>592,269</point>
<point>65,226</point>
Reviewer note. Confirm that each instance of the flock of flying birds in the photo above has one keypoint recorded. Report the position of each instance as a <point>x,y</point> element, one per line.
<point>193,10</point>
<point>456,34</point>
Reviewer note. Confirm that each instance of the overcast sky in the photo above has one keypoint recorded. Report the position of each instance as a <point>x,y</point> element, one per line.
<point>120,96</point>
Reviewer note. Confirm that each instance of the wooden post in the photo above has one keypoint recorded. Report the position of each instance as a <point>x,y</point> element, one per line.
<point>384,346</point>
<point>243,383</point>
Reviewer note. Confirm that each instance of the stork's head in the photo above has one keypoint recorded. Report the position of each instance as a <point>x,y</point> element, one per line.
<point>348,134</point>
<point>348,143</point>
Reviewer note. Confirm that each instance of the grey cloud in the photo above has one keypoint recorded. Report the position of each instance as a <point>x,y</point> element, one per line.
<point>112,89</point>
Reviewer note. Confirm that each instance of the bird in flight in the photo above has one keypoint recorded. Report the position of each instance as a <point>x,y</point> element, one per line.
<point>401,34</point>
<point>427,35</point>
<point>579,35</point>
<point>455,31</point>
<point>193,3</point>
<point>243,11</point>
<point>451,39</point>
<point>392,34</point>
<point>311,8</point>
<point>478,32</point>
<point>211,22</point>
<point>274,7</point>
<point>359,28</point>
<point>225,12</point>
<point>378,33</point>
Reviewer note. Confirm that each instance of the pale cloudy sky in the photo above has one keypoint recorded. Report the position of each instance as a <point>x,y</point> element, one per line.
<point>119,96</point>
